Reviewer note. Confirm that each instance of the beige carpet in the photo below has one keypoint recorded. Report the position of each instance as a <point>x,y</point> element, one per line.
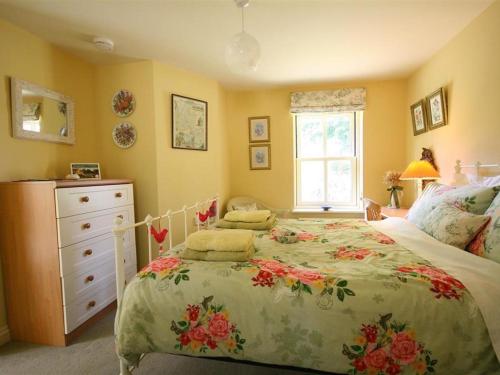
<point>93,353</point>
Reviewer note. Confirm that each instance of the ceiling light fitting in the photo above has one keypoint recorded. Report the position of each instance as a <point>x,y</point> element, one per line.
<point>243,50</point>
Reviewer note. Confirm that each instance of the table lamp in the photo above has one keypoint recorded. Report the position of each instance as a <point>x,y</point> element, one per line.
<point>420,170</point>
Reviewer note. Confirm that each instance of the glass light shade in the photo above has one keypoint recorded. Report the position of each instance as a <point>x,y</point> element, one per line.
<point>242,53</point>
<point>420,169</point>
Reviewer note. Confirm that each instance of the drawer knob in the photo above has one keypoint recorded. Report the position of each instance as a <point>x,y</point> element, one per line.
<point>120,216</point>
<point>89,279</point>
<point>84,199</point>
<point>91,304</point>
<point>86,226</point>
<point>87,252</point>
<point>118,195</point>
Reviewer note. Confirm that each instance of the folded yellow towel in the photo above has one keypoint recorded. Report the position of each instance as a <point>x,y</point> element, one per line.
<point>264,225</point>
<point>218,256</point>
<point>248,216</point>
<point>220,240</point>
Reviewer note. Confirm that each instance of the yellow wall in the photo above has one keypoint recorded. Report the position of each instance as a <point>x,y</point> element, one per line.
<point>384,138</point>
<point>469,68</point>
<point>27,57</point>
<point>185,176</point>
<point>139,161</point>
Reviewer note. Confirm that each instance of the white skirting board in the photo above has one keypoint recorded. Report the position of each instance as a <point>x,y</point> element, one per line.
<point>4,335</point>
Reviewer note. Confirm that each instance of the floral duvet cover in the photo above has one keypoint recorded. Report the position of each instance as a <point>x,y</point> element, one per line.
<point>345,299</point>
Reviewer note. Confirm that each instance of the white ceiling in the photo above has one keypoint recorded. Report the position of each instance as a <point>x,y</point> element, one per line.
<point>302,41</point>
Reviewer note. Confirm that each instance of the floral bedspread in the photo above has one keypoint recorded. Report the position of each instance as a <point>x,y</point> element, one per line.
<point>344,299</point>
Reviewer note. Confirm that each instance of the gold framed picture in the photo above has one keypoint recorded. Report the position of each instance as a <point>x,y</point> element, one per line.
<point>259,129</point>
<point>418,117</point>
<point>436,105</point>
<point>260,157</point>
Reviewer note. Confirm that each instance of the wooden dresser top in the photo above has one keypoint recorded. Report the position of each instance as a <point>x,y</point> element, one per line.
<point>73,183</point>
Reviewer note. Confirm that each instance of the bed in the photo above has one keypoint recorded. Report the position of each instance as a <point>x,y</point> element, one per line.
<point>350,297</point>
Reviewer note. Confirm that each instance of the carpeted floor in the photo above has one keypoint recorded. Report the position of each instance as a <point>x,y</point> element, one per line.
<point>93,353</point>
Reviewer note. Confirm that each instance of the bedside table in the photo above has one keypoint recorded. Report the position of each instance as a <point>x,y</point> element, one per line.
<point>393,212</point>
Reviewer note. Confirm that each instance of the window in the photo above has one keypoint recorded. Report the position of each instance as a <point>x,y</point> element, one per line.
<point>328,166</point>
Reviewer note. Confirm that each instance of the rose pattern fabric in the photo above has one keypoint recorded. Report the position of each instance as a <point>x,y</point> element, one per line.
<point>206,326</point>
<point>353,253</point>
<point>299,279</point>
<point>293,306</point>
<point>166,267</point>
<point>388,347</point>
<point>443,284</point>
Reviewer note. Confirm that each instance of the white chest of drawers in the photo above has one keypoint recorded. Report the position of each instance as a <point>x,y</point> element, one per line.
<point>58,255</point>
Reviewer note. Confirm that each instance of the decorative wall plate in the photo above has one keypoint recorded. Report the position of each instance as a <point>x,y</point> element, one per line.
<point>124,135</point>
<point>123,103</point>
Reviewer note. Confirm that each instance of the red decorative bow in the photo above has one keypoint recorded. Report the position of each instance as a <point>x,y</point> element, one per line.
<point>203,217</point>
<point>159,236</point>
<point>212,211</point>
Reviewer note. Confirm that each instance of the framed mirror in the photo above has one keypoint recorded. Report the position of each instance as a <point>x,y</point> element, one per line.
<point>41,114</point>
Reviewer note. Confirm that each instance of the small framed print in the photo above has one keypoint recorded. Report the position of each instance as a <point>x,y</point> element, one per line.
<point>86,171</point>
<point>259,129</point>
<point>189,123</point>
<point>436,104</point>
<point>260,157</point>
<point>418,117</point>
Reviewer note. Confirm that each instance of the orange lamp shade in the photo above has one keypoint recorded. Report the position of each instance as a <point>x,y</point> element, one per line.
<point>420,169</point>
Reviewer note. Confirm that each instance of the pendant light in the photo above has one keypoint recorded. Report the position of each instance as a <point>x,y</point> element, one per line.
<point>243,50</point>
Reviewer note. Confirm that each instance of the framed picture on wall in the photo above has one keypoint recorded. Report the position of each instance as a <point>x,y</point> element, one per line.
<point>436,104</point>
<point>259,129</point>
<point>189,123</point>
<point>260,157</point>
<point>418,117</point>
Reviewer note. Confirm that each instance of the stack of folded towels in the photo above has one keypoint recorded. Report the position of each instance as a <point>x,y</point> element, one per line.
<point>255,220</point>
<point>220,245</point>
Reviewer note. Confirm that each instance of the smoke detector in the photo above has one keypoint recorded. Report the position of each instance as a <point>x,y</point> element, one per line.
<point>103,44</point>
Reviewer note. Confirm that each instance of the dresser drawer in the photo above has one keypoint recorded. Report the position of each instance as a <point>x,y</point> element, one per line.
<point>91,302</point>
<point>79,200</point>
<point>78,228</point>
<point>86,255</point>
<point>75,285</point>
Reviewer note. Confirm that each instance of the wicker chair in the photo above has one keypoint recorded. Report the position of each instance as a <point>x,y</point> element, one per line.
<point>244,201</point>
<point>372,210</point>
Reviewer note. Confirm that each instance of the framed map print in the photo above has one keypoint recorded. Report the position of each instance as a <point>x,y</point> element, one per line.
<point>436,103</point>
<point>259,129</point>
<point>189,123</point>
<point>418,117</point>
<point>260,156</point>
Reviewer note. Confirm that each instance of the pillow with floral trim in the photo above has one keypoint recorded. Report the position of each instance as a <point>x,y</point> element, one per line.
<point>487,242</point>
<point>453,226</point>
<point>471,198</point>
<point>423,205</point>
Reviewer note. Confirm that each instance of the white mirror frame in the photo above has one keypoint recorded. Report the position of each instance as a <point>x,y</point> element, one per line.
<point>16,90</point>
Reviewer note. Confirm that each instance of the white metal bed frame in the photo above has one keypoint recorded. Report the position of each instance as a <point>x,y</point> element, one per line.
<point>461,179</point>
<point>120,229</point>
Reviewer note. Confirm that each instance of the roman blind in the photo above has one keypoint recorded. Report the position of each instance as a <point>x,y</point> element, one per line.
<point>340,100</point>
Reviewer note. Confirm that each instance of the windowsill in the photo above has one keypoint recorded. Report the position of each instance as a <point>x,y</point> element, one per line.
<point>332,210</point>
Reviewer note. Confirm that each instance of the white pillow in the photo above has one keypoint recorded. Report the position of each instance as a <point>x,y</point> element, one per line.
<point>491,181</point>
<point>247,207</point>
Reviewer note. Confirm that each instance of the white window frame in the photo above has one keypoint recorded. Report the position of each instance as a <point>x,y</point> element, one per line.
<point>356,205</point>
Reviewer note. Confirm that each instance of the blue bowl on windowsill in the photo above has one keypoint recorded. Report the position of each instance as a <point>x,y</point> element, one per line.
<point>326,208</point>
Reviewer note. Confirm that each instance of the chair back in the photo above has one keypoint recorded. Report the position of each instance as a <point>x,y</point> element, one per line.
<point>372,210</point>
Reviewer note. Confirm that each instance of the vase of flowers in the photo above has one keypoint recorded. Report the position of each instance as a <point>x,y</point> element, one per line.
<point>392,180</point>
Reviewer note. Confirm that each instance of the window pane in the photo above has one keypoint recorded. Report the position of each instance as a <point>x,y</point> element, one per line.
<point>312,181</point>
<point>339,135</point>
<point>340,181</point>
<point>310,137</point>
